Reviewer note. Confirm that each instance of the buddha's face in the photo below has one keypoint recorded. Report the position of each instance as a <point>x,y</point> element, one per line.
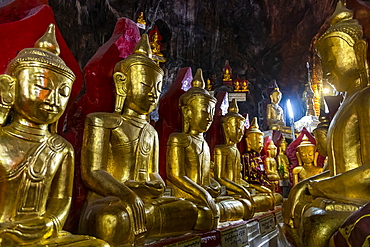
<point>307,154</point>
<point>234,129</point>
<point>275,97</point>
<point>255,141</point>
<point>339,63</point>
<point>272,150</point>
<point>200,115</point>
<point>144,88</point>
<point>42,94</point>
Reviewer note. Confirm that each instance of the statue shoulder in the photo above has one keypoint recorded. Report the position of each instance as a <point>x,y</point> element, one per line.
<point>179,140</point>
<point>220,149</point>
<point>104,119</point>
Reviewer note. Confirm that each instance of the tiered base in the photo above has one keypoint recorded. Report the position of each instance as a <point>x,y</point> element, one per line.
<point>260,231</point>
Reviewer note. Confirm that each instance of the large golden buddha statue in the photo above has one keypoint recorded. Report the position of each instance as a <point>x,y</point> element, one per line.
<point>120,162</point>
<point>36,164</point>
<point>318,206</point>
<point>228,168</point>
<point>188,161</point>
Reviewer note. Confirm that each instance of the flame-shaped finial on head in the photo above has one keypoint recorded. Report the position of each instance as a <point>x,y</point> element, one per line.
<point>341,13</point>
<point>305,142</point>
<point>48,41</point>
<point>143,46</point>
<point>254,128</point>
<point>198,80</point>
<point>233,107</point>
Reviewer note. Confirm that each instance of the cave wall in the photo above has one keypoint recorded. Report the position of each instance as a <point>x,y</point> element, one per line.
<point>263,40</point>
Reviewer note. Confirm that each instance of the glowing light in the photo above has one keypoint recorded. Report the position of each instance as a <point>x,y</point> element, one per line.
<point>326,91</point>
<point>290,109</point>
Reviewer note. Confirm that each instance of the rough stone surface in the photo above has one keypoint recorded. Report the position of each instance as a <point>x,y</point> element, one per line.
<point>263,40</point>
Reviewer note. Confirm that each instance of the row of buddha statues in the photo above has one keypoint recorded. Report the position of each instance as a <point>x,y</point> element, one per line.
<point>125,201</point>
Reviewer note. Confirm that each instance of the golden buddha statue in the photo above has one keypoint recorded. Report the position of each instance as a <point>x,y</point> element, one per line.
<point>140,18</point>
<point>274,112</point>
<point>271,165</point>
<point>318,206</point>
<point>119,162</point>
<point>155,45</point>
<point>37,165</point>
<point>209,85</point>
<point>307,168</point>
<point>227,75</point>
<point>228,166</point>
<point>282,160</point>
<point>253,167</point>
<point>321,133</point>
<point>188,162</point>
<point>245,86</point>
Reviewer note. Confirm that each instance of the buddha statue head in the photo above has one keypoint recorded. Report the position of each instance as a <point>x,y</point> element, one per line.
<point>306,151</point>
<point>254,137</point>
<point>138,80</point>
<point>283,145</point>
<point>321,133</point>
<point>343,52</point>
<point>197,107</point>
<point>233,124</point>
<point>275,95</point>
<point>37,83</point>
<point>271,149</point>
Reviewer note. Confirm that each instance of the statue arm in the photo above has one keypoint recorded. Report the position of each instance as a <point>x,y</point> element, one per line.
<point>95,150</point>
<point>364,130</point>
<point>175,161</point>
<point>220,161</point>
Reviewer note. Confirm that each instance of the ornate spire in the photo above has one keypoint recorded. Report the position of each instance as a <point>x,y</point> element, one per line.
<point>305,142</point>
<point>254,128</point>
<point>143,46</point>
<point>233,107</point>
<point>198,80</point>
<point>48,41</point>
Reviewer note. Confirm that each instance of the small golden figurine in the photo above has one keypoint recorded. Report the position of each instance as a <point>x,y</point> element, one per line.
<point>228,166</point>
<point>245,85</point>
<point>189,162</point>
<point>140,19</point>
<point>283,161</point>
<point>119,162</point>
<point>227,75</point>
<point>209,85</point>
<point>307,168</point>
<point>274,112</point>
<point>37,166</point>
<point>318,206</point>
<point>156,48</point>
<point>237,85</point>
<point>271,166</point>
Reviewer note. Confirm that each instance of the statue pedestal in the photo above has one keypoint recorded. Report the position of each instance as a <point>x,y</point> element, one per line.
<point>261,230</point>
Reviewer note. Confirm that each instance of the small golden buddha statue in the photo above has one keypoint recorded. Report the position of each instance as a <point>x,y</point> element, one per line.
<point>140,18</point>
<point>155,45</point>
<point>228,166</point>
<point>227,75</point>
<point>36,165</point>
<point>189,162</point>
<point>237,85</point>
<point>306,160</point>
<point>321,133</point>
<point>274,112</point>
<point>253,166</point>
<point>245,86</point>
<point>282,160</point>
<point>346,184</point>
<point>119,162</point>
<point>271,165</point>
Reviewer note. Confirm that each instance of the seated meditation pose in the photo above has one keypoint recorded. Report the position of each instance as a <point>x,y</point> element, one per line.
<point>316,207</point>
<point>306,159</point>
<point>271,165</point>
<point>283,160</point>
<point>274,112</point>
<point>253,167</point>
<point>36,164</point>
<point>119,162</point>
<point>188,161</point>
<point>228,168</point>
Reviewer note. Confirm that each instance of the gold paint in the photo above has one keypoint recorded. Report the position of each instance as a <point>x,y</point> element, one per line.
<point>154,44</point>
<point>37,166</point>
<point>283,160</point>
<point>119,163</point>
<point>228,166</point>
<point>275,114</point>
<point>317,207</point>
<point>227,75</point>
<point>271,165</point>
<point>189,163</point>
<point>306,159</point>
<point>141,19</point>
